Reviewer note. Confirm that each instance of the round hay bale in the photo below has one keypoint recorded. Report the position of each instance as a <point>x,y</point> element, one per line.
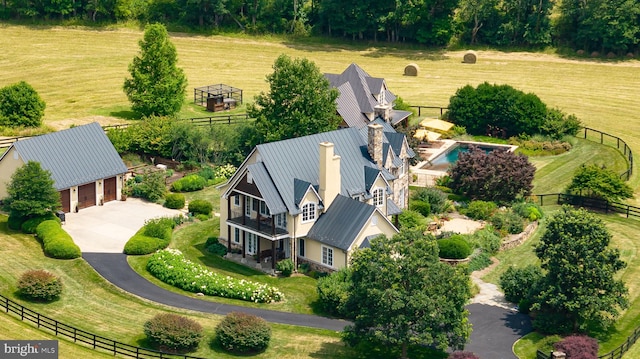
<point>411,70</point>
<point>611,55</point>
<point>470,57</point>
<point>580,52</point>
<point>595,54</point>
<point>630,55</point>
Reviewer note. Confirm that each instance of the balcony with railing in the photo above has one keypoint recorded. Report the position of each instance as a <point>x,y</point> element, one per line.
<point>265,225</point>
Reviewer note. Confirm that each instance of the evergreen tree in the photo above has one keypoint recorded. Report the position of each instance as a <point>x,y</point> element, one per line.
<point>157,86</point>
<point>31,192</point>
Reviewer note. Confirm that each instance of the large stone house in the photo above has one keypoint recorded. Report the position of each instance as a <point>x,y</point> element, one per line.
<point>84,165</point>
<point>363,98</point>
<point>317,198</point>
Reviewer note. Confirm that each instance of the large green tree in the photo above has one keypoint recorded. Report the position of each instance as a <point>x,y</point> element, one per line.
<point>300,102</point>
<point>579,288</point>
<point>157,85</point>
<point>402,295</point>
<point>20,105</point>
<point>31,192</point>
<point>599,182</point>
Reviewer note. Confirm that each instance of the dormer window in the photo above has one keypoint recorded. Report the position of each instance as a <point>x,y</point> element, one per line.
<point>378,197</point>
<point>308,212</point>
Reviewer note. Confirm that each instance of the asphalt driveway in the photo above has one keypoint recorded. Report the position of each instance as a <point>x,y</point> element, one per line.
<point>106,229</point>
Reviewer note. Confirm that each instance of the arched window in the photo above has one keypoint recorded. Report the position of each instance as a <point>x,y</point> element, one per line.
<point>378,197</point>
<point>309,212</point>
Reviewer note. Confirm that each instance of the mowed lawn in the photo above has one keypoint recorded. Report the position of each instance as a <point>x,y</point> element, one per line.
<point>79,72</point>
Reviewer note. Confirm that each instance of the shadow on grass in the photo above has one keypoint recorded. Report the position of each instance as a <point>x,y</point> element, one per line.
<point>216,348</point>
<point>125,114</point>
<point>222,264</point>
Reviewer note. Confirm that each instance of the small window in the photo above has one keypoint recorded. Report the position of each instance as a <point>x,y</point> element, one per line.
<point>236,237</point>
<point>247,205</point>
<point>249,177</point>
<point>327,256</point>
<point>309,212</point>
<point>236,200</point>
<point>378,197</point>
<point>301,250</point>
<point>281,220</point>
<point>264,210</point>
<point>374,221</point>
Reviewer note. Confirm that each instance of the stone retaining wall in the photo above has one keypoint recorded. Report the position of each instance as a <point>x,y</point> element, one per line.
<point>518,239</point>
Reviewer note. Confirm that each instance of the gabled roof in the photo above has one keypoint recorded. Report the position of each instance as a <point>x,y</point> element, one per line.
<point>341,224</point>
<point>75,156</point>
<point>348,107</point>
<point>293,162</point>
<point>268,191</point>
<point>358,91</point>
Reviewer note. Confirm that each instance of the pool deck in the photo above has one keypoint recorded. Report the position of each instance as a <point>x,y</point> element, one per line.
<point>424,177</point>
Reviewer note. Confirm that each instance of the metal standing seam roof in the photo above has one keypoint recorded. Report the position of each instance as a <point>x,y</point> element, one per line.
<point>348,107</point>
<point>341,223</point>
<point>363,86</point>
<point>268,191</point>
<point>75,156</point>
<point>298,159</point>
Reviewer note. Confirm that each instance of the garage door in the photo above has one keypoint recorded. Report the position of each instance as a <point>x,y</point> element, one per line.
<point>65,198</point>
<point>87,195</point>
<point>110,189</point>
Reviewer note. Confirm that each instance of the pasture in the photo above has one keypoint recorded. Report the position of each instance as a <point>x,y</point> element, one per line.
<point>79,73</point>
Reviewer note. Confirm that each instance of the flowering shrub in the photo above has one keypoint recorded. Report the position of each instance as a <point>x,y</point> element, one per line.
<point>225,171</point>
<point>39,285</point>
<point>173,332</point>
<point>170,266</point>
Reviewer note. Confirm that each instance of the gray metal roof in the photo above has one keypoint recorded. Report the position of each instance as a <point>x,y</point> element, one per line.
<point>398,116</point>
<point>393,208</point>
<point>348,107</point>
<point>298,159</point>
<point>268,191</point>
<point>75,156</point>
<point>370,175</point>
<point>341,223</point>
<point>361,90</point>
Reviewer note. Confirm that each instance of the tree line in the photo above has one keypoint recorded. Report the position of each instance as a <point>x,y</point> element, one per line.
<point>601,26</point>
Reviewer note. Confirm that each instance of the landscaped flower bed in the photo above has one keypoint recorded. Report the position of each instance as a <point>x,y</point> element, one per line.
<point>170,266</point>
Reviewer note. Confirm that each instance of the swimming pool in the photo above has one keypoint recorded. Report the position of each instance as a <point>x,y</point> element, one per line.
<point>445,159</point>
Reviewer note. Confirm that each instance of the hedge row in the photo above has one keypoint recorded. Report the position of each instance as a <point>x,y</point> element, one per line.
<point>154,235</point>
<point>57,242</point>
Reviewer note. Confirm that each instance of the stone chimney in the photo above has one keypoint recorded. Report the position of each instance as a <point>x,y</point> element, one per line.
<point>374,143</point>
<point>329,174</point>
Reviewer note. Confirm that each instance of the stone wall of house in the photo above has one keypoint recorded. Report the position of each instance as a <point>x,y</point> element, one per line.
<point>518,239</point>
<point>314,266</point>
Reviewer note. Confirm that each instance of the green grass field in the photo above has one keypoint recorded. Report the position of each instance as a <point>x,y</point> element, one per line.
<point>79,73</point>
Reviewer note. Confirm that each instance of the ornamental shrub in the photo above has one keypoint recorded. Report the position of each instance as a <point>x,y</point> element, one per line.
<point>285,267</point>
<point>520,283</point>
<point>214,246</point>
<point>462,355</point>
<point>200,206</point>
<point>454,247</point>
<point>528,210</point>
<point>160,228</point>
<point>333,292</point>
<point>170,266</point>
<point>30,225</point>
<point>578,347</point>
<point>437,199</point>
<point>173,332</point>
<point>243,333</point>
<point>57,243</point>
<point>422,207</point>
<point>486,239</point>
<point>480,210</point>
<point>189,183</point>
<point>174,201</point>
<point>39,285</point>
<point>140,244</point>
<point>411,219</point>
<point>507,221</point>
<point>15,222</point>
<point>149,186</point>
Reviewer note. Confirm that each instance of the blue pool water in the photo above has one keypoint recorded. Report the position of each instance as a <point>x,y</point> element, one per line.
<point>444,160</point>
